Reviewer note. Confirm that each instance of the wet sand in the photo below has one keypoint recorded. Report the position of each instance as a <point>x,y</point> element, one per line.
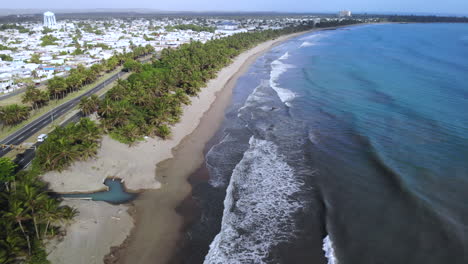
<point>159,227</point>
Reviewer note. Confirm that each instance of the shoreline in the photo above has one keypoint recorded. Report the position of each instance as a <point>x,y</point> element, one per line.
<point>146,167</point>
<point>158,207</point>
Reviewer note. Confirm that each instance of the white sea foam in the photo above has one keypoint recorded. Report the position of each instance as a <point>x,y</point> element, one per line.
<point>306,44</point>
<point>258,209</point>
<point>329,251</point>
<point>255,97</point>
<point>315,36</point>
<point>313,138</point>
<point>217,179</point>
<point>278,68</point>
<point>285,56</point>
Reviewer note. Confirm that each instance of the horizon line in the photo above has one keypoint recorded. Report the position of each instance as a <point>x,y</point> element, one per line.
<point>142,10</point>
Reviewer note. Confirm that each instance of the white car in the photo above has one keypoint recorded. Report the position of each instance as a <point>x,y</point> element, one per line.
<point>41,137</point>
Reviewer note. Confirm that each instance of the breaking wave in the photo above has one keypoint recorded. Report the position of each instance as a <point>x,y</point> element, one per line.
<point>329,251</point>
<point>306,44</point>
<point>278,68</point>
<point>258,208</point>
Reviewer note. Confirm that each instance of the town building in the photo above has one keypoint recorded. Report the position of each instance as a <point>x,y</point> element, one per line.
<point>344,13</point>
<point>49,20</point>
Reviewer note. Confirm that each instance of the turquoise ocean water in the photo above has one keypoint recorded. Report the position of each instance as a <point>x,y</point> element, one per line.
<point>344,146</point>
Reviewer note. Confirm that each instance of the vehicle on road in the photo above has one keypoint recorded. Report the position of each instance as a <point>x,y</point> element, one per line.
<point>41,137</point>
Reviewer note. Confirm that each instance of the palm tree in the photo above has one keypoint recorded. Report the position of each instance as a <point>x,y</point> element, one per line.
<point>89,105</point>
<point>74,81</point>
<point>163,131</point>
<point>57,86</point>
<point>49,213</point>
<point>67,213</point>
<point>35,97</point>
<point>7,169</point>
<point>106,107</point>
<point>18,213</point>
<point>13,114</point>
<point>33,199</point>
<point>29,96</point>
<point>34,74</point>
<point>88,130</point>
<point>12,244</point>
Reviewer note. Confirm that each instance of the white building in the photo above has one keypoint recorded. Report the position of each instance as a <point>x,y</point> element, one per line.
<point>49,20</point>
<point>5,82</point>
<point>344,13</point>
<point>228,25</point>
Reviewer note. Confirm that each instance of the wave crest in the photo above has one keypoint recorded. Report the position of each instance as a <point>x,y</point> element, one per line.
<point>258,209</point>
<point>329,251</point>
<point>277,69</point>
<point>306,44</point>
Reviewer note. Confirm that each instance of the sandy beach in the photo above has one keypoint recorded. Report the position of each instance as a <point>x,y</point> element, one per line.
<point>157,207</point>
<point>89,237</point>
<point>161,167</point>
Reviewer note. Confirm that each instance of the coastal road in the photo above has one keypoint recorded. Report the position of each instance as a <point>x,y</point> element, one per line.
<point>30,129</point>
<point>22,90</point>
<point>23,160</point>
<point>19,91</point>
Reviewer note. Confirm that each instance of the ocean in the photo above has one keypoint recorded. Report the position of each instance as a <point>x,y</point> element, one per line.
<point>342,146</point>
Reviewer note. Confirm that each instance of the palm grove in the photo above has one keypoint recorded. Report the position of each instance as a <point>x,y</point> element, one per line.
<point>147,103</point>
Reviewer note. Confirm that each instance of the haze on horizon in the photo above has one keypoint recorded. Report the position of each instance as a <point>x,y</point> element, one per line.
<point>404,6</point>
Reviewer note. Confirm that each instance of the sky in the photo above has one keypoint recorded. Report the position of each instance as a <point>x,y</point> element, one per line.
<point>411,6</point>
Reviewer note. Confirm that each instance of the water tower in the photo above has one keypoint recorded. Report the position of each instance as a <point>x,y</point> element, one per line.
<point>49,20</point>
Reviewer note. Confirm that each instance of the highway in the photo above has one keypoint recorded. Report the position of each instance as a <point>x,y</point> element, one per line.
<point>22,160</point>
<point>30,129</point>
<point>18,91</point>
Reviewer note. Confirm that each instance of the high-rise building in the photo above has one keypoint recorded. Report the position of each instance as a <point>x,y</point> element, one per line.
<point>344,13</point>
<point>49,20</point>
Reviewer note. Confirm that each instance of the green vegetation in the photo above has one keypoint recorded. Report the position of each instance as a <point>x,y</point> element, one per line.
<point>76,141</point>
<point>191,27</point>
<point>78,51</point>
<point>78,34</point>
<point>3,47</point>
<point>154,28</point>
<point>151,99</point>
<point>35,97</point>
<point>59,87</point>
<point>336,23</point>
<point>5,57</point>
<point>132,65</point>
<point>48,40</point>
<point>28,215</point>
<point>13,114</point>
<point>145,37</point>
<point>100,45</point>
<point>146,104</point>
<point>89,29</point>
<point>25,30</point>
<point>426,19</point>
<point>35,58</point>
<point>4,27</point>
<point>89,105</point>
<point>47,30</point>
